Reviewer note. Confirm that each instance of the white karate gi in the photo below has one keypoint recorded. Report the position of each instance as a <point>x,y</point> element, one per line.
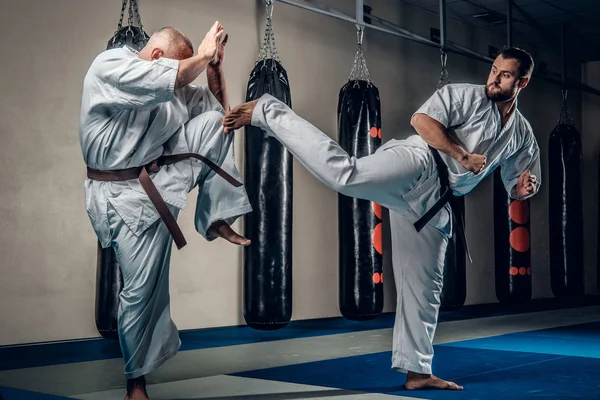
<point>130,115</point>
<point>402,176</point>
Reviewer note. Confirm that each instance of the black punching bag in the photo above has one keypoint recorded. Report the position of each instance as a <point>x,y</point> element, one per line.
<point>268,166</point>
<point>512,245</point>
<point>359,221</point>
<point>598,238</point>
<point>109,281</point>
<point>565,206</point>
<point>109,284</point>
<point>454,290</point>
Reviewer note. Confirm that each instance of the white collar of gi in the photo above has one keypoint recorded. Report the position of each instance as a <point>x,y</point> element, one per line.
<point>134,51</point>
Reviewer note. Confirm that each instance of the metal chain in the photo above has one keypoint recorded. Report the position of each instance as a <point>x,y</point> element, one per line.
<point>137,14</point>
<point>444,78</point>
<point>130,13</point>
<point>122,15</point>
<point>359,68</point>
<point>268,48</point>
<point>565,116</point>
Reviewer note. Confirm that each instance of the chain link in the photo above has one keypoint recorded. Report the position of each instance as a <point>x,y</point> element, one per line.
<point>359,69</point>
<point>122,15</point>
<point>565,116</point>
<point>268,48</point>
<point>137,14</point>
<point>444,78</point>
<point>130,21</point>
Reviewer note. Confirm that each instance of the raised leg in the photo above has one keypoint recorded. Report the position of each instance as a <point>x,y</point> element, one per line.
<point>383,177</point>
<point>217,199</point>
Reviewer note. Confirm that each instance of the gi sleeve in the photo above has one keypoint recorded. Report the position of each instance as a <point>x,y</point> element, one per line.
<point>447,106</point>
<point>200,99</point>
<point>129,81</point>
<point>527,157</point>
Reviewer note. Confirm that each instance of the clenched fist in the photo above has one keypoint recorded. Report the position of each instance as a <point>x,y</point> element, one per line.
<point>526,185</point>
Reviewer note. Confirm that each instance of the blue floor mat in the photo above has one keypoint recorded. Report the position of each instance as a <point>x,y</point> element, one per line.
<point>576,340</point>
<point>16,394</point>
<point>16,357</point>
<point>485,374</point>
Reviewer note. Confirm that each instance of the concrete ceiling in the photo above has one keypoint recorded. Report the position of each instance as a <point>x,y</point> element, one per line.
<point>535,22</point>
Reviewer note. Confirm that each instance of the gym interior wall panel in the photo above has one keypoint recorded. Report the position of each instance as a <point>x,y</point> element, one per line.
<point>47,246</point>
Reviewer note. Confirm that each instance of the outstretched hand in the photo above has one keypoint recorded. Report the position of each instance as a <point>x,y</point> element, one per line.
<point>223,230</point>
<point>526,185</point>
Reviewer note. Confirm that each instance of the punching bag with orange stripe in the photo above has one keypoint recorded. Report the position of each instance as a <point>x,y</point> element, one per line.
<point>359,221</point>
<point>512,245</point>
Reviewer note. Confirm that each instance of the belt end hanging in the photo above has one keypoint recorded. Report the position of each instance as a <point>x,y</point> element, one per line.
<point>180,243</point>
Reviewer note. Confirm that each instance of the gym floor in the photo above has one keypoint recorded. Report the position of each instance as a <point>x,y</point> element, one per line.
<point>545,351</point>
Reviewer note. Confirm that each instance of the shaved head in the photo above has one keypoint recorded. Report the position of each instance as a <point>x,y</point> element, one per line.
<point>167,42</point>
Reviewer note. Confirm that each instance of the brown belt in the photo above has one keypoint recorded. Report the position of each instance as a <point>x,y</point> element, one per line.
<point>142,174</point>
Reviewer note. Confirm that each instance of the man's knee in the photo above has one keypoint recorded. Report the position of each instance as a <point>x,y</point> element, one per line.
<point>205,130</point>
<point>210,121</point>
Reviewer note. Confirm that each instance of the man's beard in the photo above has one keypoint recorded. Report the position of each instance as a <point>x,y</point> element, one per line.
<point>498,96</point>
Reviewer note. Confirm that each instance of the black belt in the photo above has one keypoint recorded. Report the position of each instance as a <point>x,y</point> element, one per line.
<point>447,196</point>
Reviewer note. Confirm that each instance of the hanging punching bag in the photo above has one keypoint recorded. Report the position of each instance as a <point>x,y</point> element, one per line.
<point>109,281</point>
<point>359,221</point>
<point>268,165</point>
<point>109,284</point>
<point>454,289</point>
<point>565,206</point>
<point>512,244</point>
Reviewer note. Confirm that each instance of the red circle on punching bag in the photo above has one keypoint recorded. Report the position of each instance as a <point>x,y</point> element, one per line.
<point>513,271</point>
<point>378,239</point>
<point>522,271</point>
<point>376,278</point>
<point>519,211</point>
<point>519,239</point>
<point>373,132</point>
<point>377,210</point>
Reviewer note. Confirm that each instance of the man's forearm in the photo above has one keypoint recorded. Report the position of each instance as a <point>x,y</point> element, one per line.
<point>190,69</point>
<point>217,85</point>
<point>436,136</point>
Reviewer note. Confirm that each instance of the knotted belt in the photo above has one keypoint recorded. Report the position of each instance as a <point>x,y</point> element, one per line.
<point>142,173</point>
<point>446,197</point>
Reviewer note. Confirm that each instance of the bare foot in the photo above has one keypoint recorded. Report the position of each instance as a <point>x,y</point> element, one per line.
<point>416,381</point>
<point>136,389</point>
<point>239,116</point>
<point>222,229</point>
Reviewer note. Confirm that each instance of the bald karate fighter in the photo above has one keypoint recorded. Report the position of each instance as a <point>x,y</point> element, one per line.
<point>464,131</point>
<point>139,109</point>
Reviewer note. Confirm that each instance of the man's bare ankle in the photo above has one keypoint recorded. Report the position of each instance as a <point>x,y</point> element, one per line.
<point>139,382</point>
<point>417,375</point>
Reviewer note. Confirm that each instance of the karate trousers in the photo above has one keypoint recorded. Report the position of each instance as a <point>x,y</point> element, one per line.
<point>402,177</point>
<point>148,337</point>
